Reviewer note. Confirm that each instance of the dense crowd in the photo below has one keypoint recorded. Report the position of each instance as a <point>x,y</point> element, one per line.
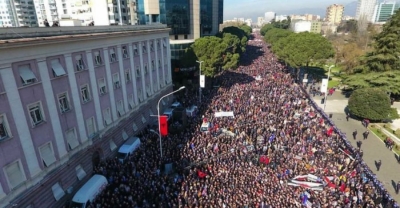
<point>276,136</point>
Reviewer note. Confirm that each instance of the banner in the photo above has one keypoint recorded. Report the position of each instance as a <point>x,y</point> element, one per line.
<point>202,81</point>
<point>224,114</point>
<point>324,86</point>
<point>163,125</point>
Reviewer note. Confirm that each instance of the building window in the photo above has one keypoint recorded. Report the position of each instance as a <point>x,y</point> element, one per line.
<point>97,58</point>
<point>159,63</point>
<point>143,119</point>
<point>120,108</point>
<point>113,56</point>
<point>58,192</point>
<point>135,50</point>
<point>151,46</point>
<point>124,135</point>
<point>125,52</point>
<point>47,154</point>
<point>80,64</point>
<point>91,128</point>
<point>116,81</point>
<point>107,116</point>
<point>80,172</point>
<point>112,145</point>
<point>15,174</point>
<point>158,44</point>
<point>140,94</point>
<point>85,94</point>
<point>144,48</point>
<point>148,90</point>
<point>63,102</point>
<point>127,76</point>
<point>145,69</point>
<point>72,140</point>
<point>165,43</point>
<point>26,74</point>
<point>138,72</point>
<point>35,112</point>
<point>185,37</point>
<point>4,128</point>
<point>58,70</point>
<point>176,37</point>
<point>153,66</point>
<point>102,86</point>
<point>134,126</point>
<point>131,101</point>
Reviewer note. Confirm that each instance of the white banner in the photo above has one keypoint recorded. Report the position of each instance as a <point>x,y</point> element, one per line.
<point>224,114</point>
<point>202,81</point>
<point>324,85</point>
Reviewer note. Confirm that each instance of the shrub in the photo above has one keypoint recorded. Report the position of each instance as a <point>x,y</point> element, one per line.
<point>371,103</point>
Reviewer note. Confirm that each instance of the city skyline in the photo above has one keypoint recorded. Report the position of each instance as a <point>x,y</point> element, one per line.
<point>257,8</point>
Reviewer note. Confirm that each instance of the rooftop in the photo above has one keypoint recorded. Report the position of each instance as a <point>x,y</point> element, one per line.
<point>21,33</point>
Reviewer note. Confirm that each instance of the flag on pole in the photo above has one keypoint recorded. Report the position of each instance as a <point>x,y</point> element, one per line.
<point>202,81</point>
<point>163,125</point>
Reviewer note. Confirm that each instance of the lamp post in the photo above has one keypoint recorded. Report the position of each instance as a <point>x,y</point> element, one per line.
<point>326,93</point>
<point>199,80</point>
<point>158,115</point>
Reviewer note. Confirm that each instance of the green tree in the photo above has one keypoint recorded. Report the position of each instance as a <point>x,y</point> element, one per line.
<point>247,29</point>
<point>275,34</point>
<point>266,28</point>
<point>189,58</point>
<point>209,50</point>
<point>371,103</point>
<point>386,53</point>
<point>387,81</point>
<point>241,34</point>
<point>299,49</point>
<point>283,24</point>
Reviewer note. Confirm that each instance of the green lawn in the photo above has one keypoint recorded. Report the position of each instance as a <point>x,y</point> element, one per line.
<point>333,83</point>
<point>383,136</point>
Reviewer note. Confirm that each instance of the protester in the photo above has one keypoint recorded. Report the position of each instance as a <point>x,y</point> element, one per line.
<point>277,151</point>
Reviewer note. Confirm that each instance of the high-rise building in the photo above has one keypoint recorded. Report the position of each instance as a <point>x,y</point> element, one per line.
<point>269,16</point>
<point>188,20</point>
<point>249,22</point>
<point>383,11</point>
<point>334,14</point>
<point>365,10</point>
<point>17,13</point>
<point>260,21</point>
<point>81,93</point>
<point>281,17</point>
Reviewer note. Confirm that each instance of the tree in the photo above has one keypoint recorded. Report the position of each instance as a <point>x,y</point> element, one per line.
<point>241,34</point>
<point>208,49</point>
<point>349,55</point>
<point>371,103</point>
<point>283,24</point>
<point>299,49</point>
<point>276,34</point>
<point>247,29</point>
<point>387,81</point>
<point>349,26</point>
<point>265,28</point>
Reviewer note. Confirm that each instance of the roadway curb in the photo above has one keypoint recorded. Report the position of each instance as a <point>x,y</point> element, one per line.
<point>382,141</point>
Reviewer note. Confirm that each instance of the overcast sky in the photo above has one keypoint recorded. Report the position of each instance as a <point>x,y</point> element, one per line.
<point>257,8</point>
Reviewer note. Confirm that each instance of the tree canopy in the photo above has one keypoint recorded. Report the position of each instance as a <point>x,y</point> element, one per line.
<point>371,103</point>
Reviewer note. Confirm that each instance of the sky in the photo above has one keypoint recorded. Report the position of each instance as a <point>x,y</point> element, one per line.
<point>257,8</point>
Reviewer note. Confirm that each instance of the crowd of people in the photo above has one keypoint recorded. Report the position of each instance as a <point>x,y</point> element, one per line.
<point>280,151</point>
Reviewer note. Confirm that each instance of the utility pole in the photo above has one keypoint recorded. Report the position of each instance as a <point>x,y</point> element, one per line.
<point>200,80</point>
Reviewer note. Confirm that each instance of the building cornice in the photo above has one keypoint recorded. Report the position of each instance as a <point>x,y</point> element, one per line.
<point>28,42</point>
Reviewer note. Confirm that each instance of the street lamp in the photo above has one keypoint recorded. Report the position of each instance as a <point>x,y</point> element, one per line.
<point>199,80</point>
<point>158,115</point>
<point>326,93</point>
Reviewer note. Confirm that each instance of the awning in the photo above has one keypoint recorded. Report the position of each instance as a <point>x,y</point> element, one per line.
<point>57,68</point>
<point>224,114</point>
<point>26,73</point>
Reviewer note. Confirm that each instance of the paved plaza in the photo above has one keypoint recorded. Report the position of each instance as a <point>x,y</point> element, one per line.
<point>373,148</point>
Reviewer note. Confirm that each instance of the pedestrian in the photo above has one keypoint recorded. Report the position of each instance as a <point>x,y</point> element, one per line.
<point>361,153</point>
<point>365,134</point>
<point>347,116</point>
<point>355,134</point>
<point>359,143</point>
<point>378,165</point>
<point>398,187</point>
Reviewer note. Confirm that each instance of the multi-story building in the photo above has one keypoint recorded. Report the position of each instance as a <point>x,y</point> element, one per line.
<point>306,17</point>
<point>365,10</point>
<point>281,17</point>
<point>188,20</point>
<point>17,13</point>
<point>260,21</point>
<point>383,11</point>
<point>62,111</point>
<point>298,26</point>
<point>334,13</point>
<point>316,26</point>
<point>269,16</point>
<point>249,22</point>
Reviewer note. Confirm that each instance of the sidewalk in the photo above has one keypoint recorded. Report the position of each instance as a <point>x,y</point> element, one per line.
<point>392,136</point>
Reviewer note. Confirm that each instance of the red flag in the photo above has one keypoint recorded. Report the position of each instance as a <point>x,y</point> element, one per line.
<point>329,183</point>
<point>163,125</point>
<point>264,159</point>
<point>343,187</point>
<point>201,174</point>
<point>330,131</point>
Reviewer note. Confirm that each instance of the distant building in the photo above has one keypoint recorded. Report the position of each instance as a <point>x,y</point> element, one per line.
<point>281,17</point>
<point>345,18</point>
<point>365,10</point>
<point>301,26</point>
<point>248,22</point>
<point>384,11</point>
<point>334,14</point>
<point>306,17</point>
<point>328,28</point>
<point>260,21</point>
<point>269,16</point>
<point>316,26</point>
<point>17,14</point>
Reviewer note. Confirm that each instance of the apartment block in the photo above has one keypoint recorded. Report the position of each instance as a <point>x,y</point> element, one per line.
<point>383,11</point>
<point>334,14</point>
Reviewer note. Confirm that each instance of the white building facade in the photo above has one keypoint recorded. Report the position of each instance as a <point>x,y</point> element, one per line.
<point>281,17</point>
<point>62,111</point>
<point>301,26</point>
<point>365,10</point>
<point>269,16</point>
<point>17,13</point>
